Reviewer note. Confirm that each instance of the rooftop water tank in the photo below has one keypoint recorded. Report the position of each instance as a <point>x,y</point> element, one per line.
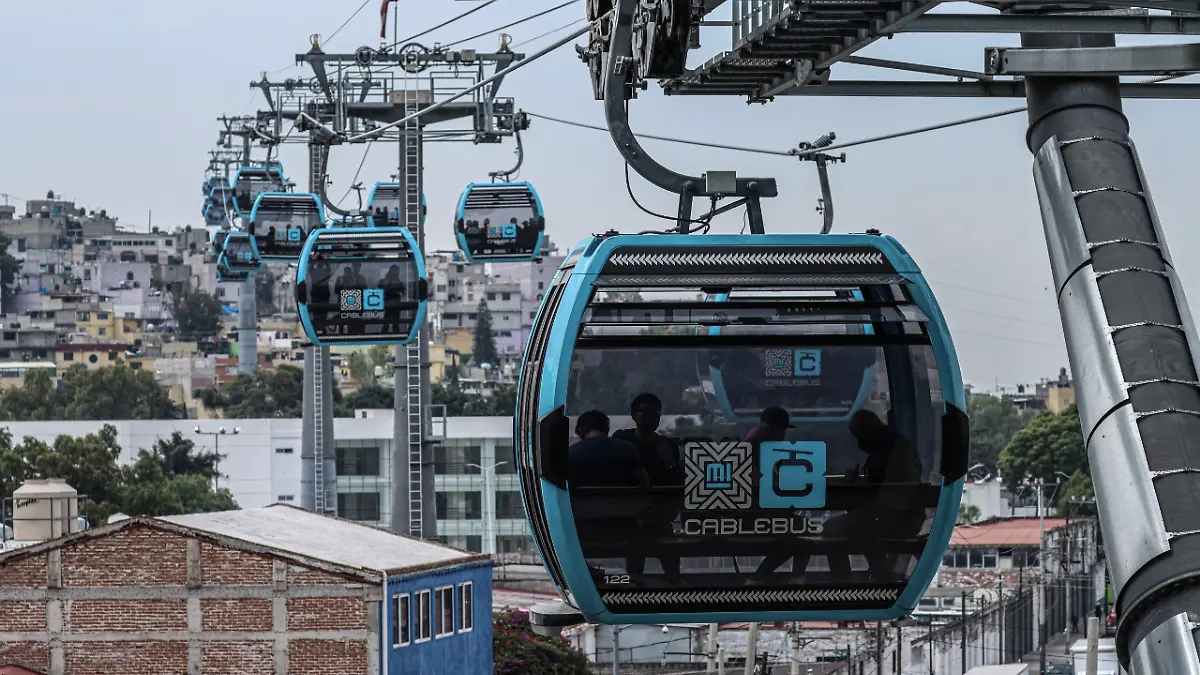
<point>45,509</point>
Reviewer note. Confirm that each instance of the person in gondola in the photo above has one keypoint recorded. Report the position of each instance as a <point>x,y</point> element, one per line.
<point>660,457</point>
<point>318,281</point>
<point>269,245</point>
<point>393,285</point>
<point>344,282</point>
<point>360,280</point>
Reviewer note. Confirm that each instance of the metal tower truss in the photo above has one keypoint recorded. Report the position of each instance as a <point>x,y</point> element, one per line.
<point>790,47</point>
<point>1130,338</point>
<point>354,94</point>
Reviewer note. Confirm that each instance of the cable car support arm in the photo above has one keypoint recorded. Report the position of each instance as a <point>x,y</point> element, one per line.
<point>619,82</point>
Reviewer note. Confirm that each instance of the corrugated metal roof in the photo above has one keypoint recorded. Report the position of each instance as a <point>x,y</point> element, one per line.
<point>1004,532</point>
<point>327,539</point>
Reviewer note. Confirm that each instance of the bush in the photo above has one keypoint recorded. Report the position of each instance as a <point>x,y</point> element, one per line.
<point>517,650</point>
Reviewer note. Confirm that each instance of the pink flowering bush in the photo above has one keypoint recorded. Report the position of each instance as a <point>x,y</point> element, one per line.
<point>517,650</point>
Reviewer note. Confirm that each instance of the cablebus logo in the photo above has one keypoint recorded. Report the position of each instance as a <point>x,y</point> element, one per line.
<point>718,475</point>
<point>361,300</point>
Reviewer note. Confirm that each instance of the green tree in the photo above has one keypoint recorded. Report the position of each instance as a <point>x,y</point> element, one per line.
<point>517,650</point>
<point>148,490</point>
<point>1077,497</point>
<point>501,402</point>
<point>87,463</point>
<point>1048,444</point>
<point>994,422</point>
<point>109,393</point>
<point>10,267</point>
<point>197,314</point>
<point>968,514</point>
<point>266,393</point>
<point>169,479</point>
<point>369,397</point>
<point>484,348</point>
<point>362,364</point>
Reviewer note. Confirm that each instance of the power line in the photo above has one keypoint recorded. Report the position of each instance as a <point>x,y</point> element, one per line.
<point>549,32</point>
<point>347,21</point>
<point>518,22</point>
<point>668,139</point>
<point>443,24</point>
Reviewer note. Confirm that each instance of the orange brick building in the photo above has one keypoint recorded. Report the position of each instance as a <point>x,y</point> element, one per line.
<point>275,590</point>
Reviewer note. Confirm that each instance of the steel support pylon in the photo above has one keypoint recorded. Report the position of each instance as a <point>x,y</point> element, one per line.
<point>413,505</point>
<point>317,446</point>
<point>1133,348</point>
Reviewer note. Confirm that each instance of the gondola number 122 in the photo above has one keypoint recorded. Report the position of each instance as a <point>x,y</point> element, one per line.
<point>616,579</point>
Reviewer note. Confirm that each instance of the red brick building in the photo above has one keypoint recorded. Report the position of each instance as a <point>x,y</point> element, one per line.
<point>275,590</point>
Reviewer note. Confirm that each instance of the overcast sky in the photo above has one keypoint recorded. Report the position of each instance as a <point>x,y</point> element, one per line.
<point>113,103</point>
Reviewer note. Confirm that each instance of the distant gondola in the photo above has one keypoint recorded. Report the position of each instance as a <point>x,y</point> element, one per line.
<point>500,222</point>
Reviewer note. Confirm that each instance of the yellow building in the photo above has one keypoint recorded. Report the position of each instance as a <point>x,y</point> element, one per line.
<point>105,326</point>
<point>89,355</point>
<point>12,373</point>
<point>460,340</point>
<point>1059,398</point>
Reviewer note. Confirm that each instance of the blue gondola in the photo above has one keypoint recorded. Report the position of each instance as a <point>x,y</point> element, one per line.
<point>214,215</point>
<point>228,275</point>
<point>240,252</point>
<point>384,205</point>
<point>282,221</point>
<point>361,286</point>
<point>793,518</point>
<point>217,245</point>
<point>251,181</point>
<point>500,221</point>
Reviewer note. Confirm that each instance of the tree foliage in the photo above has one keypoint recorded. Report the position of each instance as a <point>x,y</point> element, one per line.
<point>266,393</point>
<point>994,422</point>
<point>197,314</point>
<point>1048,444</point>
<point>370,397</point>
<point>10,267</point>
<point>1077,497</point>
<point>109,393</point>
<point>501,402</point>
<point>484,348</point>
<point>968,514</point>
<point>517,650</point>
<point>362,364</point>
<point>171,478</point>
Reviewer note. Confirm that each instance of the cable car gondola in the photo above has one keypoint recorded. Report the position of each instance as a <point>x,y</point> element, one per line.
<point>384,205</point>
<point>251,181</point>
<point>214,214</point>
<point>839,515</point>
<point>226,274</point>
<point>282,221</point>
<point>500,221</point>
<point>240,252</point>
<point>361,286</point>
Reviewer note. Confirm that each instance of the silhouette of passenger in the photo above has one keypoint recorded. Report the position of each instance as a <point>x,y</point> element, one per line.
<point>597,460</point>
<point>318,280</point>
<point>392,284</point>
<point>346,281</point>
<point>660,457</point>
<point>360,281</point>
<point>773,424</point>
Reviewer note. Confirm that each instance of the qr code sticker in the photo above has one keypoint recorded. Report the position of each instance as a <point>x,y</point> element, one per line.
<point>778,363</point>
<point>351,300</point>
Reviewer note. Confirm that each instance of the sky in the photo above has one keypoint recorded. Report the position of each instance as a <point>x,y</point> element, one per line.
<point>113,103</point>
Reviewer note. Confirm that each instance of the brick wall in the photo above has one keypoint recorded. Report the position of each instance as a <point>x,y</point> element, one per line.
<point>32,655</point>
<point>243,614</point>
<point>93,616</point>
<point>22,615</point>
<point>127,658</point>
<point>25,573</point>
<point>134,556</point>
<point>238,658</point>
<point>145,557</point>
<point>326,656</point>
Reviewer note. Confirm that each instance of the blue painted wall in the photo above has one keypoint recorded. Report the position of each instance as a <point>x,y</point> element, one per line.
<point>461,653</point>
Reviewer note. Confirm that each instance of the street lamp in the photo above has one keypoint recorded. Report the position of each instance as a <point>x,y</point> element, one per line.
<point>489,495</point>
<point>217,447</point>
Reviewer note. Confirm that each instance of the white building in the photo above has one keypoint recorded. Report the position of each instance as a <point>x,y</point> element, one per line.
<point>478,501</point>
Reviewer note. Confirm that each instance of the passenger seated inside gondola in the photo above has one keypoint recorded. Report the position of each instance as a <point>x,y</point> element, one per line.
<point>661,459</point>
<point>392,284</point>
<point>891,461</point>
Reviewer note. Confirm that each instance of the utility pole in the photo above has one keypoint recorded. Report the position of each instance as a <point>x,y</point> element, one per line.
<point>878,648</point>
<point>751,648</point>
<point>616,630</point>
<point>711,651</point>
<point>1041,576</point>
<point>795,649</point>
<point>963,621</point>
<point>1093,646</point>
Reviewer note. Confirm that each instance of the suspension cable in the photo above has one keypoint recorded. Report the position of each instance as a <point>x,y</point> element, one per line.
<point>441,25</point>
<point>518,22</point>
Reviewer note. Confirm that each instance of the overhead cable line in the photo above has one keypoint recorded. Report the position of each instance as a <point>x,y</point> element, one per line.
<point>719,146</point>
<point>549,32</point>
<point>441,25</point>
<point>347,21</point>
<point>518,22</point>
<point>357,171</point>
